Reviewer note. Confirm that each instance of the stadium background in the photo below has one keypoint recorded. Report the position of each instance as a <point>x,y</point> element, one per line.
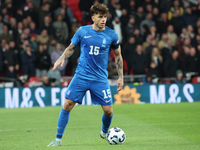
<point>158,126</point>
<point>160,42</point>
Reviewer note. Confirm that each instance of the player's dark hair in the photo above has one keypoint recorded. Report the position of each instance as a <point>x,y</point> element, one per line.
<point>99,9</point>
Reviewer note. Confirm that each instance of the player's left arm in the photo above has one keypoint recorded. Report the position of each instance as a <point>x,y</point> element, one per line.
<point>119,66</point>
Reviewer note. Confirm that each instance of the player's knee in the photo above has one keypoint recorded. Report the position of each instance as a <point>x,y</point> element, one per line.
<point>68,105</point>
<point>108,112</point>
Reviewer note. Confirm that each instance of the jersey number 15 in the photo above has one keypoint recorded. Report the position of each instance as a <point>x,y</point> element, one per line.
<point>94,50</point>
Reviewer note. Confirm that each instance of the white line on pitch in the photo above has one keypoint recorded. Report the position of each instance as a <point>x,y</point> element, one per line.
<point>98,126</point>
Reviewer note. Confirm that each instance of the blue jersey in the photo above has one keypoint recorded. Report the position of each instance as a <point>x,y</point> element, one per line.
<point>95,51</point>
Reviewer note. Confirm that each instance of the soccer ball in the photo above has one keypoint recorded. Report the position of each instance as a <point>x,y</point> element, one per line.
<point>116,136</point>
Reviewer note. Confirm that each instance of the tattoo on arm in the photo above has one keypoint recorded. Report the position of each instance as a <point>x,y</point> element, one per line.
<point>68,51</point>
<point>119,64</point>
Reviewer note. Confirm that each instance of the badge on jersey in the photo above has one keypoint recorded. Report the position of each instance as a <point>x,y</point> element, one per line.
<point>104,43</point>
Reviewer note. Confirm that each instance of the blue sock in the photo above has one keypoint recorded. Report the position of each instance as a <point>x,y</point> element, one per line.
<point>106,121</point>
<point>62,122</point>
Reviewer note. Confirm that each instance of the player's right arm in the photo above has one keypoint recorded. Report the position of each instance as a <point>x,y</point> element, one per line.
<point>66,54</point>
<point>70,49</point>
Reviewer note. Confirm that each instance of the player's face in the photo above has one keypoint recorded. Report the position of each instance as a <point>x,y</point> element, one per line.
<point>100,21</point>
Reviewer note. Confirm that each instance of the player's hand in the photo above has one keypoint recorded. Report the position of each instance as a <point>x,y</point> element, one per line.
<point>120,84</point>
<point>60,60</point>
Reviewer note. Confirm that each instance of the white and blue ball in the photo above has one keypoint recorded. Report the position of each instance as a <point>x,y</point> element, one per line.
<point>116,136</point>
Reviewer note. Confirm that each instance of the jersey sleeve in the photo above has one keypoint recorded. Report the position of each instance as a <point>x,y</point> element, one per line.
<point>115,41</point>
<point>76,38</point>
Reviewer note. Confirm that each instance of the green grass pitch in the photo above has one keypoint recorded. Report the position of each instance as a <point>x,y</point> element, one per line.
<point>156,127</point>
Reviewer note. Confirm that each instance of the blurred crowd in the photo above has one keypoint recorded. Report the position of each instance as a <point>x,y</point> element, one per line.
<point>158,38</point>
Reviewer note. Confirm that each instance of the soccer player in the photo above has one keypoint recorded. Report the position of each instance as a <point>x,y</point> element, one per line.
<point>95,42</point>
